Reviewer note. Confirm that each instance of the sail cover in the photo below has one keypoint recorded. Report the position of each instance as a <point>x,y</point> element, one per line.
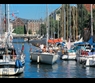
<point>90,41</point>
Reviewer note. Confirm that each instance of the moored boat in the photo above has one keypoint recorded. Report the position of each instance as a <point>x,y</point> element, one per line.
<point>10,62</point>
<point>45,57</point>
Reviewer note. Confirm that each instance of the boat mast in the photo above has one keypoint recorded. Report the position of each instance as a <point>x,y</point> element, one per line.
<point>58,28</point>
<point>5,17</point>
<point>70,23</point>
<point>47,26</point>
<point>64,22</point>
<point>8,32</point>
<point>91,21</point>
<point>0,21</point>
<point>8,20</point>
<point>7,39</point>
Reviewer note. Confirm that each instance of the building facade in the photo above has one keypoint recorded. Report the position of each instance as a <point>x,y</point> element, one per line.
<point>55,14</point>
<point>31,25</point>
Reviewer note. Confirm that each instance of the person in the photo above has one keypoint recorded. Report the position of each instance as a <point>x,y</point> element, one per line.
<point>41,46</point>
<point>13,54</point>
<point>44,49</point>
<point>50,49</point>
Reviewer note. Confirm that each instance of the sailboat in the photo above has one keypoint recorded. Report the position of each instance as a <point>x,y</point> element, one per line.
<point>87,57</point>
<point>12,62</point>
<point>90,59</point>
<point>44,57</point>
<point>69,50</point>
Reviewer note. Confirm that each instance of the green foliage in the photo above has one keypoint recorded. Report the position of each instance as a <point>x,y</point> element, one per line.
<point>58,11</point>
<point>30,32</point>
<point>53,27</point>
<point>83,18</point>
<point>25,30</point>
<point>19,30</point>
<point>42,30</point>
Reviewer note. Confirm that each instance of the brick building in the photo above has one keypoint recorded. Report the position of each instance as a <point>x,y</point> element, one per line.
<point>33,25</point>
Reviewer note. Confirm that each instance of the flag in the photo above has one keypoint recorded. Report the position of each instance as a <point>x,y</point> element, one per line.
<point>13,15</point>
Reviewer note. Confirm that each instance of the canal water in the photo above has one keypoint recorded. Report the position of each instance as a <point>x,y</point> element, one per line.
<point>61,69</point>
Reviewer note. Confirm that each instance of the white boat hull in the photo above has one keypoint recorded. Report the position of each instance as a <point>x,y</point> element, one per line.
<point>44,57</point>
<point>81,59</point>
<point>87,60</point>
<point>10,65</point>
<point>90,62</point>
<point>11,71</point>
<point>69,56</point>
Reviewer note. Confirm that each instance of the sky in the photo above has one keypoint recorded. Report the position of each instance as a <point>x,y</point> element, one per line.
<point>32,11</point>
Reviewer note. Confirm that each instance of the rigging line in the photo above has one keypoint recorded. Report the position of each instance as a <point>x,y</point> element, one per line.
<point>47,25</point>
<point>91,21</point>
<point>39,20</point>
<point>70,21</point>
<point>40,29</point>
<point>1,31</point>
<point>16,30</point>
<point>63,11</point>
<point>51,23</point>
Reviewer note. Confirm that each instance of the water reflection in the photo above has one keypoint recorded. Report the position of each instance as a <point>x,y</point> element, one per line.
<point>18,40</point>
<point>61,69</point>
<point>90,72</point>
<point>44,66</point>
<point>14,76</point>
<point>44,69</point>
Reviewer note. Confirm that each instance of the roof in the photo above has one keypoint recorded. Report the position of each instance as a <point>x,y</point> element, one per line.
<point>30,20</point>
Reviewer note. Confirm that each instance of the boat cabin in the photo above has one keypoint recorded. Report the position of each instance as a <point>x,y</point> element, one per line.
<point>9,51</point>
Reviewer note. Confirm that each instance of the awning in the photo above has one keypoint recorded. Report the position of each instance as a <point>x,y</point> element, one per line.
<point>54,40</point>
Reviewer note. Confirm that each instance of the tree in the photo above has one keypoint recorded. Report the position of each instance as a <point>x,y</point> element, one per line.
<point>42,30</point>
<point>19,30</point>
<point>25,31</point>
<point>83,20</point>
<point>58,11</point>
<point>30,32</point>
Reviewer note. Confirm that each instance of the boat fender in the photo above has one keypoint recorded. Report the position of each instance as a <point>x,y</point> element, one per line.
<point>21,56</point>
<point>20,64</point>
<point>38,59</point>
<point>17,63</point>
